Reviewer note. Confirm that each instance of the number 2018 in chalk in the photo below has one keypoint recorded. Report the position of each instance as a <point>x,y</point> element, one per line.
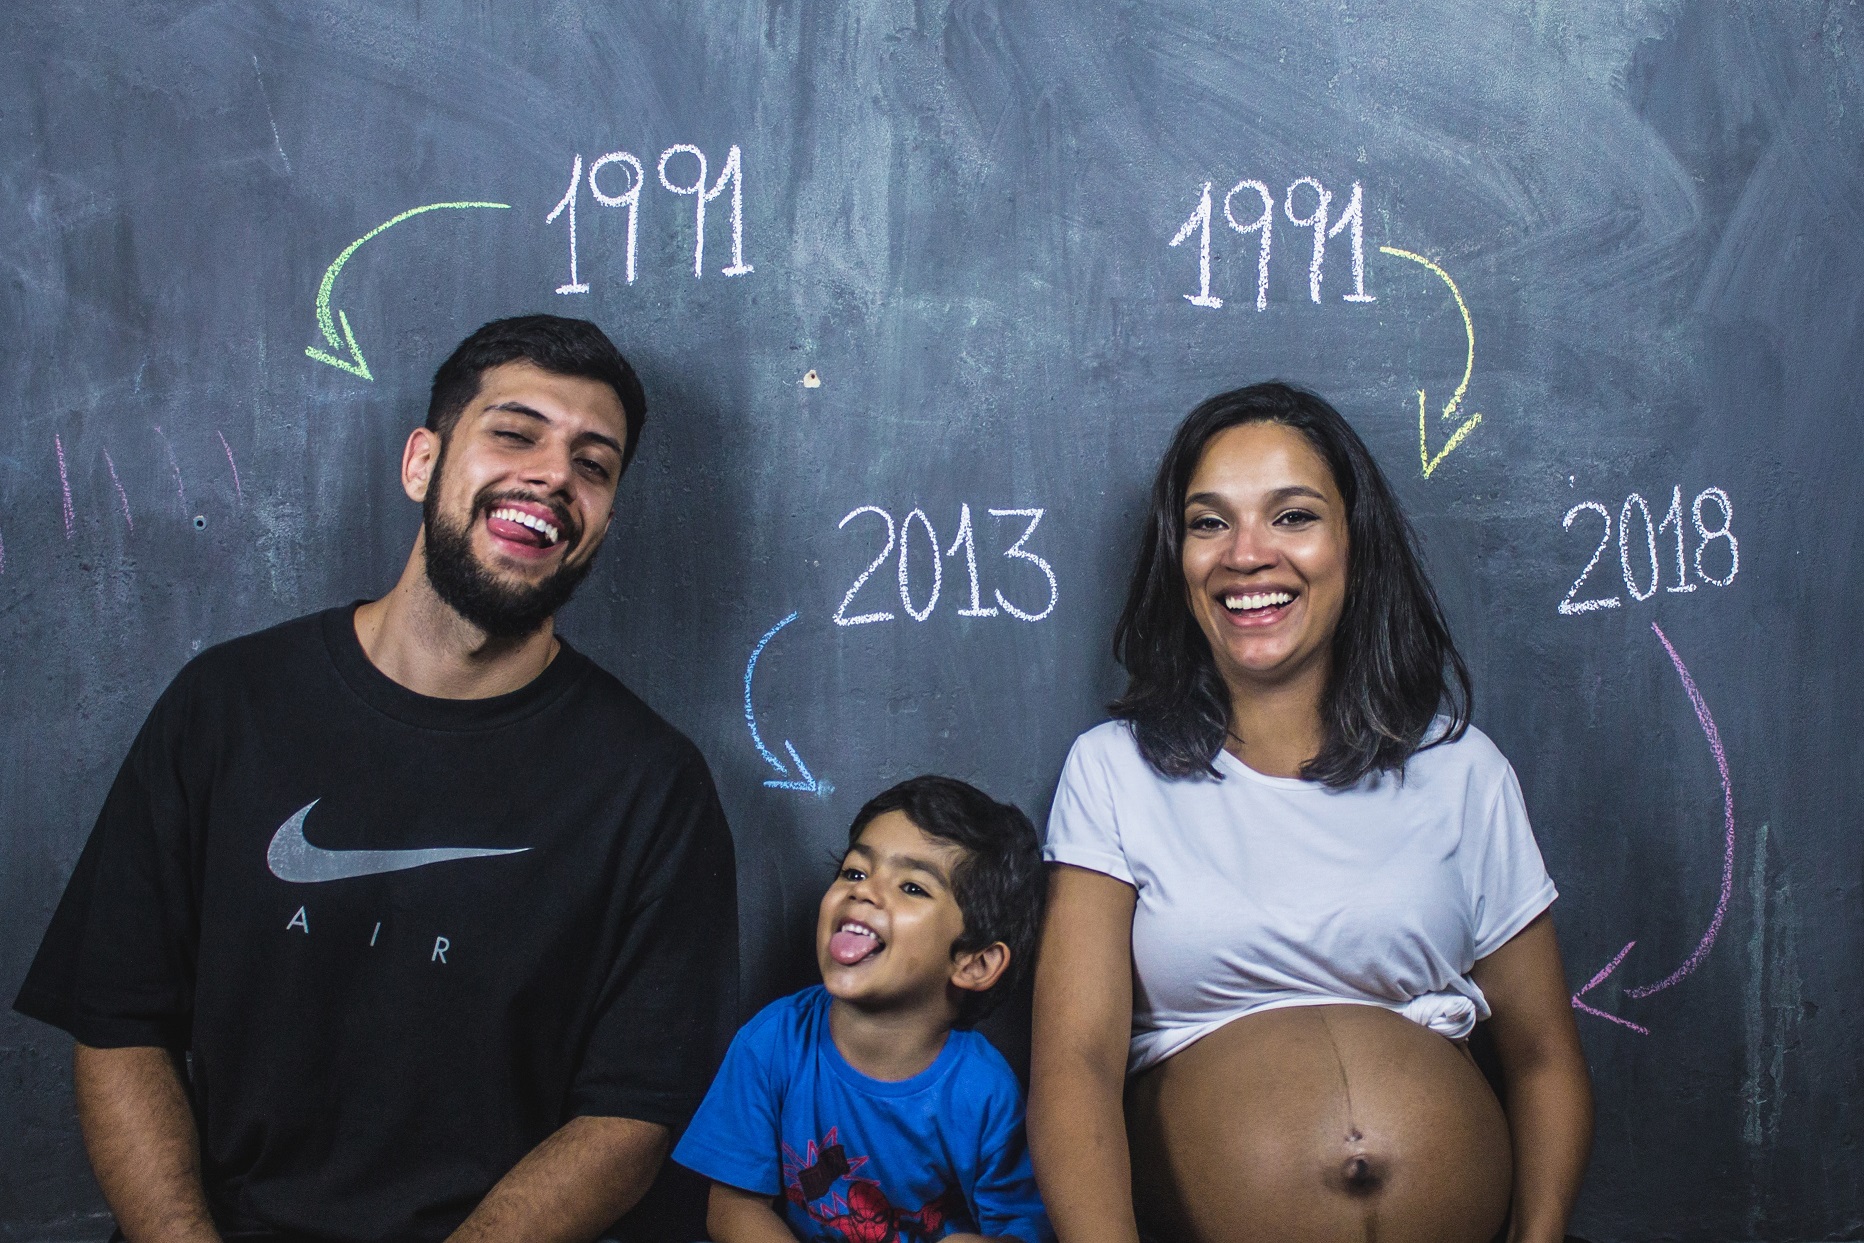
<point>1712,514</point>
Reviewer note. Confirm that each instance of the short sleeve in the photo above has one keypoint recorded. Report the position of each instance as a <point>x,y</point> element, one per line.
<point>735,1137</point>
<point>116,967</point>
<point>1083,828</point>
<point>1503,868</point>
<point>672,986</point>
<point>1008,1204</point>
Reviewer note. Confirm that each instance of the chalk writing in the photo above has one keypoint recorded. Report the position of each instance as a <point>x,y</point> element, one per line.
<point>64,482</point>
<point>327,323</point>
<point>1425,459</point>
<point>1351,221</point>
<point>1707,942</point>
<point>239,493</point>
<point>1638,557</point>
<point>730,177</point>
<point>122,496</point>
<point>803,780</point>
<point>965,539</point>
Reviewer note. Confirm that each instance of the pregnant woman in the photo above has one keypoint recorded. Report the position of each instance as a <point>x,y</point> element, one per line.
<point>1290,880</point>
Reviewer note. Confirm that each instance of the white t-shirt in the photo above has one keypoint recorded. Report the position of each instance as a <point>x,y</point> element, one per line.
<point>1258,892</point>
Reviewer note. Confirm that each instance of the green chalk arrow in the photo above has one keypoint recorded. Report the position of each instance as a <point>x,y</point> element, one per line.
<point>328,321</point>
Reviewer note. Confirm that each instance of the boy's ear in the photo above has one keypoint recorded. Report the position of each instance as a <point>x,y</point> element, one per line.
<point>979,970</point>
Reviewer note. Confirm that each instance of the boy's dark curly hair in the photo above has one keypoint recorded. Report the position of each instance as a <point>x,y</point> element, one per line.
<point>999,884</point>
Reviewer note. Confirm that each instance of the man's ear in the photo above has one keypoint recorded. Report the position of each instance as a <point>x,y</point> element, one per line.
<point>418,457</point>
<point>979,970</point>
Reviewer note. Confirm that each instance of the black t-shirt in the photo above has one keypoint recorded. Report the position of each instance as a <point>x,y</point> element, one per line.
<point>403,939</point>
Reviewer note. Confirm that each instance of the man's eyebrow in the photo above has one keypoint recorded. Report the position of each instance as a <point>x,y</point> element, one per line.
<point>518,407</point>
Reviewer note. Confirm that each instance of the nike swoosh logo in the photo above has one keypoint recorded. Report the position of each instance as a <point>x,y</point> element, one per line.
<point>293,859</point>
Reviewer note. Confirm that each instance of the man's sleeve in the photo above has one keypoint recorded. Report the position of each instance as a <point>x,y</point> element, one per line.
<point>116,967</point>
<point>671,991</point>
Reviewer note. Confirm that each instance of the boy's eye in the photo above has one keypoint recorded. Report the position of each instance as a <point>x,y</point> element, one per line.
<point>852,874</point>
<point>916,890</point>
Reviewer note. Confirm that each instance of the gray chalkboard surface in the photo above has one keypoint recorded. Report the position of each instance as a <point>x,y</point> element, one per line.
<point>917,290</point>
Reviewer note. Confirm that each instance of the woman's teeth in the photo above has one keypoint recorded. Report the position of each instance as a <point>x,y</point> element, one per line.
<point>1256,600</point>
<point>524,519</point>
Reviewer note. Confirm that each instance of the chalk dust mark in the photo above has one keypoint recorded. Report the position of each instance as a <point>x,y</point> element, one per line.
<point>267,101</point>
<point>238,493</point>
<point>2,556</point>
<point>175,466</point>
<point>1728,821</point>
<point>64,484</point>
<point>122,496</point>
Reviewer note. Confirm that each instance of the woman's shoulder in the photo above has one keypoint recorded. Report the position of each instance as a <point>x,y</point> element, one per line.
<point>1471,756</point>
<point>1110,744</point>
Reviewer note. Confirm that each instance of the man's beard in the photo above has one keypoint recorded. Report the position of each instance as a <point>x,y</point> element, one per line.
<point>502,610</point>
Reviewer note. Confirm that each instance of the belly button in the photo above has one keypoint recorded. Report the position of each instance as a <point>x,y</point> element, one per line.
<point>1361,1176</point>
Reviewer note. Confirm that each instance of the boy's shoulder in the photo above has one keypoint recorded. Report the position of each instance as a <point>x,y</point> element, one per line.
<point>982,1076</point>
<point>787,1023</point>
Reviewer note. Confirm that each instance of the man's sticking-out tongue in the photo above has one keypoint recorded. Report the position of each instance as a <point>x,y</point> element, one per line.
<point>522,527</point>
<point>851,944</point>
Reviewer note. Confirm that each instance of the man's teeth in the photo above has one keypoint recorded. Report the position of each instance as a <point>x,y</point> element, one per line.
<point>526,519</point>
<point>1256,600</point>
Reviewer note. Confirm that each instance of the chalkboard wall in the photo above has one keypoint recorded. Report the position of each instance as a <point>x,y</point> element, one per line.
<point>918,290</point>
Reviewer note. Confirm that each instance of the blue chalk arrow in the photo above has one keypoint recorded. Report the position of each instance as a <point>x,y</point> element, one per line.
<point>805,781</point>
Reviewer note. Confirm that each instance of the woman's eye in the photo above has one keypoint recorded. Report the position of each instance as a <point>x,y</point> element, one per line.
<point>1205,522</point>
<point>1296,518</point>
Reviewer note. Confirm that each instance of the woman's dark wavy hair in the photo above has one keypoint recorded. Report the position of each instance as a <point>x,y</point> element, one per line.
<point>1394,664</point>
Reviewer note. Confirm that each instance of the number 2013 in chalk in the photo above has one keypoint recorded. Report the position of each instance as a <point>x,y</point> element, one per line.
<point>1712,514</point>
<point>902,536</point>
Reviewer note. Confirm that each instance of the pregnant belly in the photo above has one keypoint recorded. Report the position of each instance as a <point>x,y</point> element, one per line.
<point>1339,1122</point>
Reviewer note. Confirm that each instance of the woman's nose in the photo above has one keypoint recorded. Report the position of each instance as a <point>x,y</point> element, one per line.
<point>1248,548</point>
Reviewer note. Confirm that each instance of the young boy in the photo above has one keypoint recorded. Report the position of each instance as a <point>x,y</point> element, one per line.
<point>866,1106</point>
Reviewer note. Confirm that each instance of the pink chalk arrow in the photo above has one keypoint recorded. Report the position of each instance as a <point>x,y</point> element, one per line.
<point>1728,863</point>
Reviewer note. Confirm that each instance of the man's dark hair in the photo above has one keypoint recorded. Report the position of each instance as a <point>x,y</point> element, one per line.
<point>572,347</point>
<point>999,884</point>
<point>1394,664</point>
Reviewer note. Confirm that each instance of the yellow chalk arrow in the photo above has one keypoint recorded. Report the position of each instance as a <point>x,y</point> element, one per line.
<point>355,363</point>
<point>1461,434</point>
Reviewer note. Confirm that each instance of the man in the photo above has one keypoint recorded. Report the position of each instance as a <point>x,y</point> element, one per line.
<point>404,921</point>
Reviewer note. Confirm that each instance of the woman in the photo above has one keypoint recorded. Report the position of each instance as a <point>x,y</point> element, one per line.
<point>1290,879</point>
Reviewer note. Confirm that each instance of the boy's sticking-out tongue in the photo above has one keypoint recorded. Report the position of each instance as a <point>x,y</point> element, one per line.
<point>851,943</point>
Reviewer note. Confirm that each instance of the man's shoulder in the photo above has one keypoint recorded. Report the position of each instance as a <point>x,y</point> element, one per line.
<point>258,654</point>
<point>627,721</point>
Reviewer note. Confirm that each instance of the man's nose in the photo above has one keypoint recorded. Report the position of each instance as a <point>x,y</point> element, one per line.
<point>549,469</point>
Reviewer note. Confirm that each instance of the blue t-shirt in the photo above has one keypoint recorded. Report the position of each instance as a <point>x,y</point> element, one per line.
<point>860,1160</point>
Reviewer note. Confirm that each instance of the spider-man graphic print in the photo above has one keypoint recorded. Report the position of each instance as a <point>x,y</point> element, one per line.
<point>821,1183</point>
<point>861,1160</point>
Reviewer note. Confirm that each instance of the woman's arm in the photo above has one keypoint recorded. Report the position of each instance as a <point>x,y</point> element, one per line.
<point>1548,1089</point>
<point>1083,1021</point>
